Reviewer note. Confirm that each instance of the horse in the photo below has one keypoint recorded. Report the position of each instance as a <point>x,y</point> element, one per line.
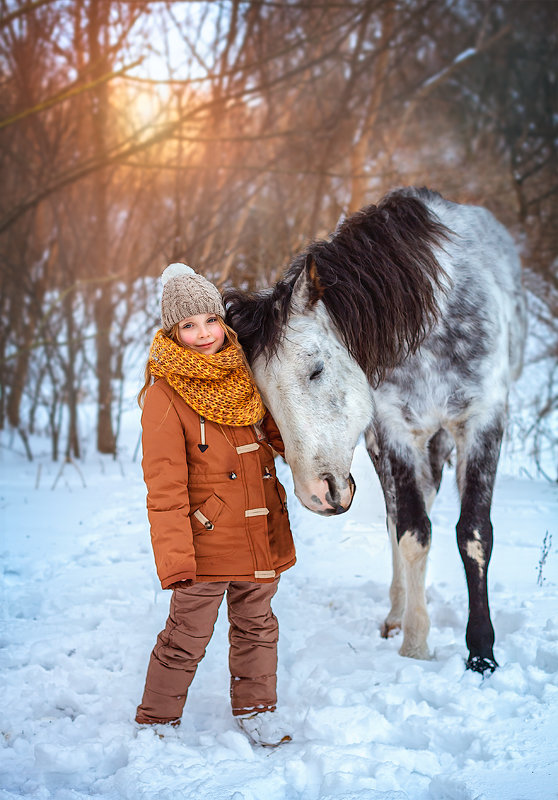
<point>406,325</point>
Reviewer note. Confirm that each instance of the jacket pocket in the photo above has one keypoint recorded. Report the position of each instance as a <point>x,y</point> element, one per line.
<point>206,515</point>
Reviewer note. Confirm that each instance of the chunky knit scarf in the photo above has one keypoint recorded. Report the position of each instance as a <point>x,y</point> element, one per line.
<point>219,386</point>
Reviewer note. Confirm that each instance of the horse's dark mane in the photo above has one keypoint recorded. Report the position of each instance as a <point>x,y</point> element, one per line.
<point>378,276</point>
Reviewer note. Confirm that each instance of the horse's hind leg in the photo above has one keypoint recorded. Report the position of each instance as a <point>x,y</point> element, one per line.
<point>439,450</point>
<point>397,592</point>
<point>407,510</point>
<point>478,453</point>
<point>393,621</point>
<point>413,536</point>
<point>431,467</point>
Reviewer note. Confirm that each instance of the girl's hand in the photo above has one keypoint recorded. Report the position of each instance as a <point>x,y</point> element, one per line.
<point>182,584</point>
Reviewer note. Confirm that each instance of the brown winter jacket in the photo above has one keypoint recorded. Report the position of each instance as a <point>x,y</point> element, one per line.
<point>218,512</point>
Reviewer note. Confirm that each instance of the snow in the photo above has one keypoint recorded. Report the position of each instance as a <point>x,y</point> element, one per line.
<point>82,606</point>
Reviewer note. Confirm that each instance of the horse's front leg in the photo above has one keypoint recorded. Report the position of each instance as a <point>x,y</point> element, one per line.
<point>477,462</point>
<point>413,535</point>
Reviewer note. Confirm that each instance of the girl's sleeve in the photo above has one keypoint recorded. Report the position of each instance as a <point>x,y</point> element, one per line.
<point>165,471</point>
<point>271,432</point>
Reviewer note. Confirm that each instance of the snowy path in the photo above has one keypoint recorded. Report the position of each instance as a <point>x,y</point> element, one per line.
<point>81,609</point>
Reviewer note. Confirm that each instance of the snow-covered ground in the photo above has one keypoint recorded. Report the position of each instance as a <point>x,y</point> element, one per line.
<point>82,606</point>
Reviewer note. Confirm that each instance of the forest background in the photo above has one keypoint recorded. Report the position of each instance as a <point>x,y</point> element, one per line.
<point>227,134</point>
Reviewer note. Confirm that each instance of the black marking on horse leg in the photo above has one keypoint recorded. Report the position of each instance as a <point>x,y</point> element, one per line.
<point>474,538</point>
<point>439,450</point>
<point>411,516</point>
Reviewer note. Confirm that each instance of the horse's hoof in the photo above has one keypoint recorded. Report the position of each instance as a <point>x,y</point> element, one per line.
<point>390,629</point>
<point>482,665</point>
<point>420,652</point>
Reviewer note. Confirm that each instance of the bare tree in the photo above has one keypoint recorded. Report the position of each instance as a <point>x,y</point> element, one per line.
<point>227,134</point>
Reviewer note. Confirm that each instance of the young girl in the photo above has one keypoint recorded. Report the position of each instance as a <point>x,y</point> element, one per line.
<point>218,515</point>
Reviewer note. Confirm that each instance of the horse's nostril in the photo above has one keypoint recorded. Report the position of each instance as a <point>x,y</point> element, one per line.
<point>332,496</point>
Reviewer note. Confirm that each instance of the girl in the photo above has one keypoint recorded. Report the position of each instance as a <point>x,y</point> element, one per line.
<point>218,515</point>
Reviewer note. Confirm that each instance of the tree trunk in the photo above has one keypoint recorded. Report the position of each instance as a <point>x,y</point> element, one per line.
<point>72,446</point>
<point>98,22</point>
<point>361,149</point>
<point>106,441</point>
<point>24,337</point>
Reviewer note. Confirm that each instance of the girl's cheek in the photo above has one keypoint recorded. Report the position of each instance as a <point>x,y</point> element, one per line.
<point>185,336</point>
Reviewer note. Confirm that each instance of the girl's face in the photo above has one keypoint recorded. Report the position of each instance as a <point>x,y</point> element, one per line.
<point>202,333</point>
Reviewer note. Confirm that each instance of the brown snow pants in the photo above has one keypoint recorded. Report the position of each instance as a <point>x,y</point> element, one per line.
<point>253,635</point>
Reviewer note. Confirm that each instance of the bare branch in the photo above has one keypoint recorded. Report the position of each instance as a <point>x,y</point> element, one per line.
<point>66,95</point>
<point>24,10</point>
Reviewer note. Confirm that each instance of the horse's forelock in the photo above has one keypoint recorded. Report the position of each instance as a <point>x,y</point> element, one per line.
<point>380,275</point>
<point>259,318</point>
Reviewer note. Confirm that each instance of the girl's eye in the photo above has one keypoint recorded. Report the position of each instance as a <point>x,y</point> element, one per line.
<point>185,327</point>
<point>212,319</point>
<point>317,372</point>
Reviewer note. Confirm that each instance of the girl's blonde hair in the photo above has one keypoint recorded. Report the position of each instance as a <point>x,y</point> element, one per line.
<point>230,336</point>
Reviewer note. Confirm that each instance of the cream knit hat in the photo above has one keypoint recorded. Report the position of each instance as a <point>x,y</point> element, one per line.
<point>186,293</point>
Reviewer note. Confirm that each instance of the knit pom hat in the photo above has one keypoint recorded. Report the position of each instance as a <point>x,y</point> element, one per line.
<point>185,294</point>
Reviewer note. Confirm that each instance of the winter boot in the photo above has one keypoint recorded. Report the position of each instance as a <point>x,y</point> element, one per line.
<point>266,728</point>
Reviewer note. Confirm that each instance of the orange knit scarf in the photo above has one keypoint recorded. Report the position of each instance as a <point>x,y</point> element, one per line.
<point>219,386</point>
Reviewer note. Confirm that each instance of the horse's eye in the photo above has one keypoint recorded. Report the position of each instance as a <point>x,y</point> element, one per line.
<point>317,372</point>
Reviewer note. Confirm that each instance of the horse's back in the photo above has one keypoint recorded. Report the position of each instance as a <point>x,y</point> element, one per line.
<point>480,240</point>
<point>484,267</point>
<point>466,364</point>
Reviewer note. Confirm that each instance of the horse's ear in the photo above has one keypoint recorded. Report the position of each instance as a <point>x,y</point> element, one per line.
<point>307,289</point>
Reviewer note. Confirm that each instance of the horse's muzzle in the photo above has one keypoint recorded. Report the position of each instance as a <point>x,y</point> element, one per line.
<point>332,499</point>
